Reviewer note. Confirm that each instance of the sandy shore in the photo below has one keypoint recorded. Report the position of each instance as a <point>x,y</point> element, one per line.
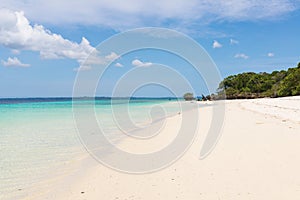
<point>257,157</point>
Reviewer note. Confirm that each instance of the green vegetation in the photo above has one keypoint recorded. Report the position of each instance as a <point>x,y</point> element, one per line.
<point>188,96</point>
<point>257,85</point>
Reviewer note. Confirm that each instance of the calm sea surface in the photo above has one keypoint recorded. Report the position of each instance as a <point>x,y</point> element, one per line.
<point>39,135</point>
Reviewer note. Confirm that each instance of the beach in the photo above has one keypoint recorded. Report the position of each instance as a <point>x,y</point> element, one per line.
<point>149,100</point>
<point>255,158</point>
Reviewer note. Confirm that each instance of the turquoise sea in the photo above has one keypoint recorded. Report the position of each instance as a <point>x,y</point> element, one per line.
<point>40,135</point>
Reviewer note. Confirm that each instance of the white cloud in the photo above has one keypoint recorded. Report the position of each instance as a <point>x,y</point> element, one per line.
<point>216,44</point>
<point>138,63</point>
<point>112,56</point>
<point>96,59</point>
<point>241,55</point>
<point>17,33</point>
<point>120,14</point>
<point>270,54</point>
<point>232,42</point>
<point>15,52</point>
<point>159,33</point>
<point>83,68</point>
<point>14,62</point>
<point>118,65</point>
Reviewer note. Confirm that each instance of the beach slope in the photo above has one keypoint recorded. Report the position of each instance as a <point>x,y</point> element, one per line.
<point>257,157</point>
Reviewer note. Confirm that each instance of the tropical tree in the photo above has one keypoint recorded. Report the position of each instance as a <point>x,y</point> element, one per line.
<point>253,85</point>
<point>188,96</point>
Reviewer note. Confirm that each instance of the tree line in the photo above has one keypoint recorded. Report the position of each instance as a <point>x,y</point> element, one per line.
<point>250,85</point>
<point>257,85</point>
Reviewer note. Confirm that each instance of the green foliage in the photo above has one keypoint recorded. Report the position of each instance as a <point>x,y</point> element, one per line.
<point>188,96</point>
<point>255,85</point>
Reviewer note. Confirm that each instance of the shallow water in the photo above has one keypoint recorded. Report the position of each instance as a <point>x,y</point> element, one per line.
<point>38,136</point>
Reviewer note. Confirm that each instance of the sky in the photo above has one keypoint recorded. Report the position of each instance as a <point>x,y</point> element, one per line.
<point>45,44</point>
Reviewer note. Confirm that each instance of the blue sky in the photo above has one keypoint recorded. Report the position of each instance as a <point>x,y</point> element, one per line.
<point>43,45</point>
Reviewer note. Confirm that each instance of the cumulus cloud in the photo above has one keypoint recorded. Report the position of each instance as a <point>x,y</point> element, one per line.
<point>241,55</point>
<point>216,44</point>
<point>14,62</point>
<point>270,54</point>
<point>112,56</point>
<point>82,68</point>
<point>138,63</point>
<point>17,33</point>
<point>96,59</point>
<point>137,13</point>
<point>118,65</point>
<point>232,42</point>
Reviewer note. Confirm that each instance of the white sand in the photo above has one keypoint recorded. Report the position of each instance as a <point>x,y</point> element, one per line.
<point>257,157</point>
<point>287,108</point>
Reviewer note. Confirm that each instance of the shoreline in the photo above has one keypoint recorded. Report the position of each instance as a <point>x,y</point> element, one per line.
<point>255,158</point>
